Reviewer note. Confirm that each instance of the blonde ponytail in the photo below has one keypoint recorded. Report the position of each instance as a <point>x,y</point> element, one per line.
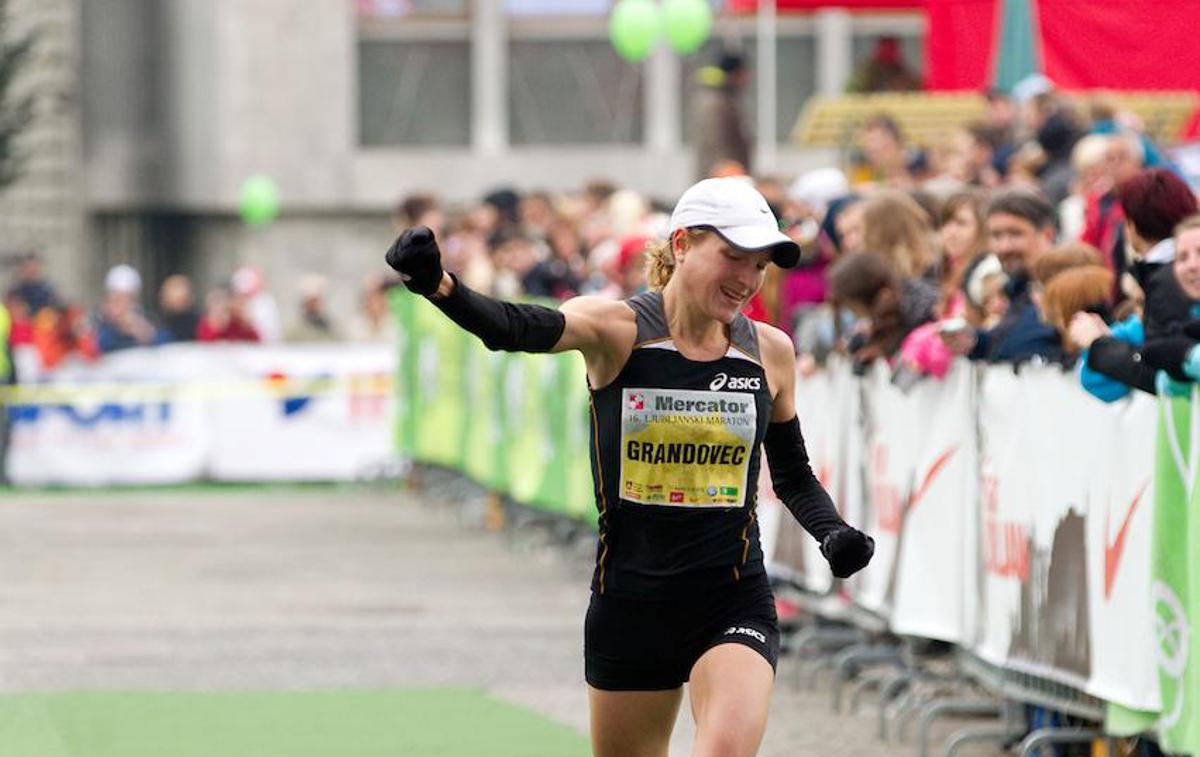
<point>660,263</point>
<point>660,258</point>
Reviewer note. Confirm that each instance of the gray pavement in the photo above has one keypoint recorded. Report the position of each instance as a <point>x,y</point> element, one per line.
<point>360,587</point>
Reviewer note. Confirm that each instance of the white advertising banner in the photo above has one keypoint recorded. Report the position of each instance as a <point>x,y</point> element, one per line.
<point>304,413</point>
<point>934,574</point>
<point>1012,514</point>
<point>1066,513</point>
<point>1033,464</point>
<point>181,413</point>
<point>885,439</point>
<point>1119,537</point>
<point>127,419</point>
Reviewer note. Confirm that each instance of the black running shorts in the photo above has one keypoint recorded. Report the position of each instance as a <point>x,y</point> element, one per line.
<point>652,644</point>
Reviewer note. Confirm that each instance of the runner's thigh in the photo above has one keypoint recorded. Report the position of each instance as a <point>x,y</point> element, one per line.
<point>633,723</point>
<point>730,689</point>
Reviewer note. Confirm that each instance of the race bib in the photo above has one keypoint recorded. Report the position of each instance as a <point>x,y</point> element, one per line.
<point>686,448</point>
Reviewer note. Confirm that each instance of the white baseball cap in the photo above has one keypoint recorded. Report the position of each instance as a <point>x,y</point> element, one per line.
<point>1030,87</point>
<point>123,278</point>
<point>739,214</point>
<point>819,187</point>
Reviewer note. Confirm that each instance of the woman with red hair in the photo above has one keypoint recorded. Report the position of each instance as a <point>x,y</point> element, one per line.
<point>1154,202</point>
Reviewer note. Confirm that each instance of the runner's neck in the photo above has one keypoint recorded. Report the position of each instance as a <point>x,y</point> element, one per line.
<point>693,331</point>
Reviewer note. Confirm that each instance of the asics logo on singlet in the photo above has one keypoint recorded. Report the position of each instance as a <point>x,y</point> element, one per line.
<point>734,382</point>
<point>746,632</point>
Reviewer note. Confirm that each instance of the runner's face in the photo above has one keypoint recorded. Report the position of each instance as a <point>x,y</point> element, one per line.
<point>721,279</point>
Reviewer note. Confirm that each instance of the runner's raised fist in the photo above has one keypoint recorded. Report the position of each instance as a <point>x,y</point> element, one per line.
<point>416,257</point>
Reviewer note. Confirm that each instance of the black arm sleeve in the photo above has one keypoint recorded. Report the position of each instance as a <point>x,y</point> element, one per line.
<point>1120,360</point>
<point>502,325</point>
<point>794,482</point>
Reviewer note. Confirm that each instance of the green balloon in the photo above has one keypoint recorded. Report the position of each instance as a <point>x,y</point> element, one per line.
<point>259,202</point>
<point>634,28</point>
<point>688,24</point>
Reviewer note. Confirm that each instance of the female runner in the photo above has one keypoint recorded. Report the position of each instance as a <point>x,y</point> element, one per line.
<point>685,391</point>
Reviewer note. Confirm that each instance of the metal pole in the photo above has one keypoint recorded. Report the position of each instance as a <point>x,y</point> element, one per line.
<point>489,78</point>
<point>834,51</point>
<point>662,101</point>
<point>765,158</point>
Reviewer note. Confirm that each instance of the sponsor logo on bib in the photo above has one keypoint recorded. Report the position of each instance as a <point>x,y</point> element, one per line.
<point>724,381</point>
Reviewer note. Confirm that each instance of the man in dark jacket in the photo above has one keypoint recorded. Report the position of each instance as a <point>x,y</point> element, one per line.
<point>31,285</point>
<point>1020,228</point>
<point>717,115</point>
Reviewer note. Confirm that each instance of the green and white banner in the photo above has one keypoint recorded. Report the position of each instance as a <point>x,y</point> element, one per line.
<point>1175,587</point>
<point>516,423</point>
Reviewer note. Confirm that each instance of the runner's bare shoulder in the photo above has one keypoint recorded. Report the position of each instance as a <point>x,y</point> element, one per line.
<point>778,355</point>
<point>597,323</point>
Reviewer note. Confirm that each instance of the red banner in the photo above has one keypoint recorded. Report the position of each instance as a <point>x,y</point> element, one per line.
<point>959,44</point>
<point>792,6</point>
<point>1085,44</point>
<point>1120,44</point>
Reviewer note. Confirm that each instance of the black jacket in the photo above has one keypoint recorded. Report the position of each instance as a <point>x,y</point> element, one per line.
<point>1167,305</point>
<point>1021,334</point>
<point>1121,361</point>
<point>1167,308</point>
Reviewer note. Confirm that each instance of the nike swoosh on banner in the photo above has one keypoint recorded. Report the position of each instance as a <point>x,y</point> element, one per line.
<point>1114,551</point>
<point>934,470</point>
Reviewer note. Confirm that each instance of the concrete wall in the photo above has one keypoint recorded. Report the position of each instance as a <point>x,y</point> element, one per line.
<point>43,210</point>
<point>232,88</point>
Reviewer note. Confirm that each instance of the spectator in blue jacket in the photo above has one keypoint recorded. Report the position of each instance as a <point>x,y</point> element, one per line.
<point>119,321</point>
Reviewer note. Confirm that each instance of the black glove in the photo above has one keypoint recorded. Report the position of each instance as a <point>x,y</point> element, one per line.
<point>848,550</point>
<point>416,257</point>
<point>1167,354</point>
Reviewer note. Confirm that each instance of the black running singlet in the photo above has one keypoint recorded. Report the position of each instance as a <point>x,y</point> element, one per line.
<point>675,459</point>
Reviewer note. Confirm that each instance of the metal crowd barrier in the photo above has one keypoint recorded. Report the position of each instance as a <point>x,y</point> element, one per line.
<point>914,684</point>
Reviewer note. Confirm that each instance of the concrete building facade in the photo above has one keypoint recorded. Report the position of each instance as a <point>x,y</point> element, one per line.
<point>158,110</point>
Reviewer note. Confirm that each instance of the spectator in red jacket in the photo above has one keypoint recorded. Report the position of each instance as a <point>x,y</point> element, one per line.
<point>225,319</point>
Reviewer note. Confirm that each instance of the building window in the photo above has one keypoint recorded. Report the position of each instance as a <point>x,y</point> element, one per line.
<point>414,92</point>
<point>573,91</point>
<point>911,50</point>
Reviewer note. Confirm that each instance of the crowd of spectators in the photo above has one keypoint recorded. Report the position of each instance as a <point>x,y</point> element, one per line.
<point>1042,234</point>
<point>46,330</point>
<point>1039,234</point>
